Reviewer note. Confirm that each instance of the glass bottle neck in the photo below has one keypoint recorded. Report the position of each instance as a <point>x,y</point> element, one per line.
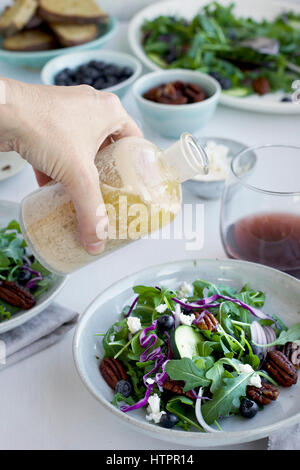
<point>185,159</point>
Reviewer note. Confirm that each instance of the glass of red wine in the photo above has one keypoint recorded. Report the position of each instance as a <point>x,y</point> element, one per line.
<point>260,209</point>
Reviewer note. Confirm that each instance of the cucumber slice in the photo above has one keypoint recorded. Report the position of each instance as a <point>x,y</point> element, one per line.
<point>157,60</point>
<point>238,92</point>
<point>185,342</point>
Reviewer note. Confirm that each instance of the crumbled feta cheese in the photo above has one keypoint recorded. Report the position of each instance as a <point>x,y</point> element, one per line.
<point>150,381</point>
<point>185,289</point>
<point>187,319</point>
<point>153,409</point>
<point>245,368</point>
<point>161,308</point>
<point>134,324</point>
<point>255,379</point>
<point>219,162</point>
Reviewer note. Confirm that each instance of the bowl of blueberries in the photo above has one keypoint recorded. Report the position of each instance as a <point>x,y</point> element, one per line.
<point>110,71</point>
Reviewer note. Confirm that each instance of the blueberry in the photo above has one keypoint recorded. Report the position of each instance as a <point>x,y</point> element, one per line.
<point>168,420</point>
<point>91,73</point>
<point>111,69</point>
<point>87,81</point>
<point>286,99</point>
<point>111,81</point>
<point>24,276</point>
<point>165,322</point>
<point>248,408</point>
<point>225,83</point>
<point>96,64</point>
<point>100,84</point>
<point>216,76</point>
<point>123,387</point>
<point>258,352</point>
<point>264,379</point>
<point>127,72</point>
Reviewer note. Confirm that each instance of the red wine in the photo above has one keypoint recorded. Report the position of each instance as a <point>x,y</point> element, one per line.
<point>272,239</point>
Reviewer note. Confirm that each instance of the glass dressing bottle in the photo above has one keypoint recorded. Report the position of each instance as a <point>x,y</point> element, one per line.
<point>141,188</point>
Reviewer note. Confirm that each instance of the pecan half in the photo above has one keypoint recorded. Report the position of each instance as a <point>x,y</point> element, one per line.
<point>281,369</point>
<point>261,85</point>
<point>112,370</point>
<point>263,395</point>
<point>206,321</point>
<point>16,295</point>
<point>176,387</point>
<point>292,352</point>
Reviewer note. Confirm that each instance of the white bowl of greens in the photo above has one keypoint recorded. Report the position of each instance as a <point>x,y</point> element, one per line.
<point>162,37</point>
<point>219,369</point>
<point>16,259</point>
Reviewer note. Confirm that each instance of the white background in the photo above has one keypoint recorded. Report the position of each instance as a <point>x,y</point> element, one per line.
<point>43,402</point>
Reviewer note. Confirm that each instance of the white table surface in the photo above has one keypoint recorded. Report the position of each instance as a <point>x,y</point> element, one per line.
<point>43,402</point>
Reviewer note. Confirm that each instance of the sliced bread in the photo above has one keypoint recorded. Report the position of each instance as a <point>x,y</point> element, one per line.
<point>71,11</point>
<point>30,40</point>
<point>74,34</point>
<point>15,17</point>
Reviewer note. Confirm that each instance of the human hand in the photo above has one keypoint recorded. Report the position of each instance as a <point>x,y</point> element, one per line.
<point>59,131</point>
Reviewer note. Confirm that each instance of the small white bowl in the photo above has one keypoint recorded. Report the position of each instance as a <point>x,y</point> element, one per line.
<point>171,120</point>
<point>213,189</point>
<point>54,66</point>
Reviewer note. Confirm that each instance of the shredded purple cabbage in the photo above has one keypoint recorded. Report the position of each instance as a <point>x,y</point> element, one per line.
<point>207,303</point>
<point>140,403</point>
<point>32,282</point>
<point>132,306</point>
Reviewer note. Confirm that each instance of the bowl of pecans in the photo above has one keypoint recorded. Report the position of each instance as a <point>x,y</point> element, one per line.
<point>176,101</point>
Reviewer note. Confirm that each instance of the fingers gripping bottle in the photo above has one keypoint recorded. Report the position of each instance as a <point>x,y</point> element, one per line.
<point>141,188</point>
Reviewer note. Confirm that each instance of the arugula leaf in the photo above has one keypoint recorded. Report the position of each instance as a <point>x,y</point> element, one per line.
<point>4,314</point>
<point>200,286</point>
<point>119,399</point>
<point>115,338</point>
<point>184,369</point>
<point>226,399</point>
<point>183,407</point>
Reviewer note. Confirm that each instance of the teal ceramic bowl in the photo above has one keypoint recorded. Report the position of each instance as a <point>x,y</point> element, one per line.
<point>172,120</point>
<point>74,60</point>
<point>39,58</point>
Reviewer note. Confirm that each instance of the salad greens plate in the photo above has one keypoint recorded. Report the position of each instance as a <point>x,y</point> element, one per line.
<point>230,40</point>
<point>16,261</point>
<point>272,292</point>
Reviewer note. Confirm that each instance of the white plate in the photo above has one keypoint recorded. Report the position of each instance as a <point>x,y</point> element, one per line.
<point>8,212</point>
<point>10,164</point>
<point>283,298</point>
<point>257,9</point>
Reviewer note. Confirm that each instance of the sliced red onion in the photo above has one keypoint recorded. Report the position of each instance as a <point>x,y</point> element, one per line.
<point>132,307</point>
<point>199,416</point>
<point>270,337</point>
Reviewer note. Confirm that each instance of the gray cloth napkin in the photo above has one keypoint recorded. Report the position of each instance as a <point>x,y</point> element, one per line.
<point>287,439</point>
<point>37,334</point>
